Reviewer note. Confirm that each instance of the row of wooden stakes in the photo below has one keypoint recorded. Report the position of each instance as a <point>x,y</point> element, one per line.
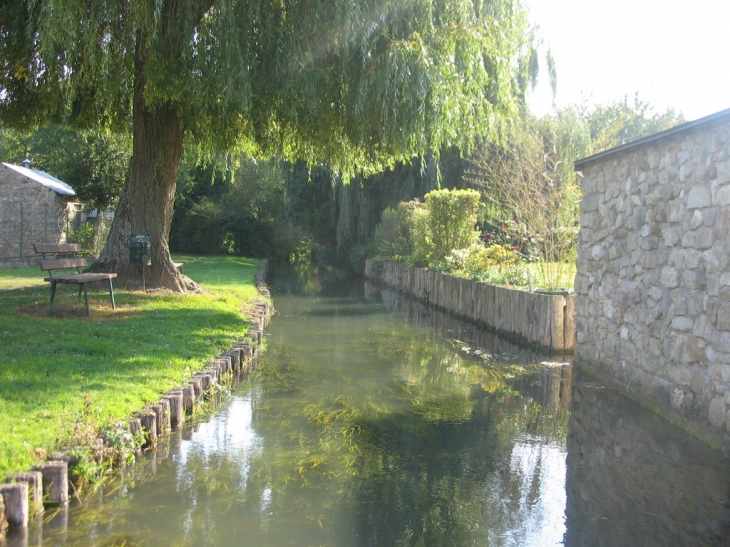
<point>47,484</point>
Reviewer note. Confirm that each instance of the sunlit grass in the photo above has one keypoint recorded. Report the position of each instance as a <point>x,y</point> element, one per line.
<point>119,359</point>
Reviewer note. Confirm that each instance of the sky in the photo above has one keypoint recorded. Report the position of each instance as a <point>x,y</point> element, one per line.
<point>674,53</point>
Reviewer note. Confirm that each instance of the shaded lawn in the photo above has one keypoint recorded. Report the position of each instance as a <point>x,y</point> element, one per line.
<point>117,360</point>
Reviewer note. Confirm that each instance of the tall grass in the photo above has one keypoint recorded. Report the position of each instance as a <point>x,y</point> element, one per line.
<point>115,360</point>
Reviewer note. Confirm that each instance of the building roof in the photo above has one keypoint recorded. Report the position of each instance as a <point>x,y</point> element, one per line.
<point>717,117</point>
<point>49,181</point>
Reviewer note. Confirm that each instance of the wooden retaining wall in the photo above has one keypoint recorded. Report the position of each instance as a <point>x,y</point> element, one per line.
<point>534,318</point>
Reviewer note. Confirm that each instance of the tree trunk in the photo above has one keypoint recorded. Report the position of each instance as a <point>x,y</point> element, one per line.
<point>146,203</point>
<point>98,223</point>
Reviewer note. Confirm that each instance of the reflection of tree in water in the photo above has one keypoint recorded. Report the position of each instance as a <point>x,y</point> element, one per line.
<point>412,457</point>
<point>371,432</point>
<point>397,439</point>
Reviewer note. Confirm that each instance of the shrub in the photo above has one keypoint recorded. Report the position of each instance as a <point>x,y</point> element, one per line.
<point>84,235</point>
<point>498,264</point>
<point>513,235</point>
<point>424,234</point>
<point>420,237</point>
<point>452,215</point>
<point>386,237</point>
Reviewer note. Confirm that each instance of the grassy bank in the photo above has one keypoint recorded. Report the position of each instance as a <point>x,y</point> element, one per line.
<point>61,369</point>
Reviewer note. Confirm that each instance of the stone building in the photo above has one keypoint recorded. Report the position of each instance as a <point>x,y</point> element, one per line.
<point>653,271</point>
<point>34,207</point>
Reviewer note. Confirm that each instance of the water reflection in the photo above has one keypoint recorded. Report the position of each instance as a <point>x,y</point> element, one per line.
<point>377,422</point>
<point>634,479</point>
<point>523,491</point>
<point>448,327</point>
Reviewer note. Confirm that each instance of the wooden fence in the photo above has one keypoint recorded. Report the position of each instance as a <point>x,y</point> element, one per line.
<point>531,317</point>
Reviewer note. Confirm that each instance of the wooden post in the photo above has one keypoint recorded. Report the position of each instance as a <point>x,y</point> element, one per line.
<point>225,361</point>
<point>569,318</point>
<point>55,482</point>
<point>221,365</point>
<point>196,382</point>
<point>3,519</point>
<point>206,380</point>
<point>246,349</point>
<point>214,371</point>
<point>134,426</point>
<point>34,479</point>
<point>188,398</point>
<point>16,503</point>
<point>167,415</point>
<point>217,368</point>
<point>177,413</point>
<point>148,419</point>
<point>234,356</point>
<point>162,415</point>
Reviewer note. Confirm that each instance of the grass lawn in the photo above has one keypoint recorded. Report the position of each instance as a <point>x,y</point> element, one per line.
<point>57,368</point>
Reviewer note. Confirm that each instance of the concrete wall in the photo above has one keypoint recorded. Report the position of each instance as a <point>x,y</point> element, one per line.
<point>44,217</point>
<point>653,275</point>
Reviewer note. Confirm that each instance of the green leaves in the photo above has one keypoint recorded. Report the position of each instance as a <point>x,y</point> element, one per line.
<point>356,85</point>
<point>452,216</point>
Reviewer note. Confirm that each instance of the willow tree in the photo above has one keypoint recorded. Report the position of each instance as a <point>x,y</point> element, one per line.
<point>353,84</point>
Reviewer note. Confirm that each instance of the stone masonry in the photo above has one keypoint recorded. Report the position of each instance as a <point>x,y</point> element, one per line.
<point>44,216</point>
<point>653,272</point>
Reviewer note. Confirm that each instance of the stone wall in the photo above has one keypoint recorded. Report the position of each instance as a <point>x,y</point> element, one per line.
<point>29,213</point>
<point>653,275</point>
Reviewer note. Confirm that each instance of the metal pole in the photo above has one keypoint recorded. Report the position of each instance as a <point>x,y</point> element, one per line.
<point>21,229</point>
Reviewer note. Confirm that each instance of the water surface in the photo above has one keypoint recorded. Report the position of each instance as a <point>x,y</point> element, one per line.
<point>373,421</point>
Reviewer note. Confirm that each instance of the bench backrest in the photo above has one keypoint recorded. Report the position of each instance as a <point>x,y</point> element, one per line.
<point>50,264</point>
<point>63,264</point>
<point>55,248</point>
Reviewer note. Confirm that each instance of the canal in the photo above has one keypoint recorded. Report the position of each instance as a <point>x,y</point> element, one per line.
<point>371,421</point>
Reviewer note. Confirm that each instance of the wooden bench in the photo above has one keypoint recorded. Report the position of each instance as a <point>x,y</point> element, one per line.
<point>70,262</point>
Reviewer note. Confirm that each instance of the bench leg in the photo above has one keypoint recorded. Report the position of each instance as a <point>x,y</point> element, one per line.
<point>53,292</point>
<point>111,294</point>
<point>86,299</point>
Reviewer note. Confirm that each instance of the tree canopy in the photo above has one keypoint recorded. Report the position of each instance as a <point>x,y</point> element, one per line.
<point>620,122</point>
<point>354,84</point>
<point>95,165</point>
